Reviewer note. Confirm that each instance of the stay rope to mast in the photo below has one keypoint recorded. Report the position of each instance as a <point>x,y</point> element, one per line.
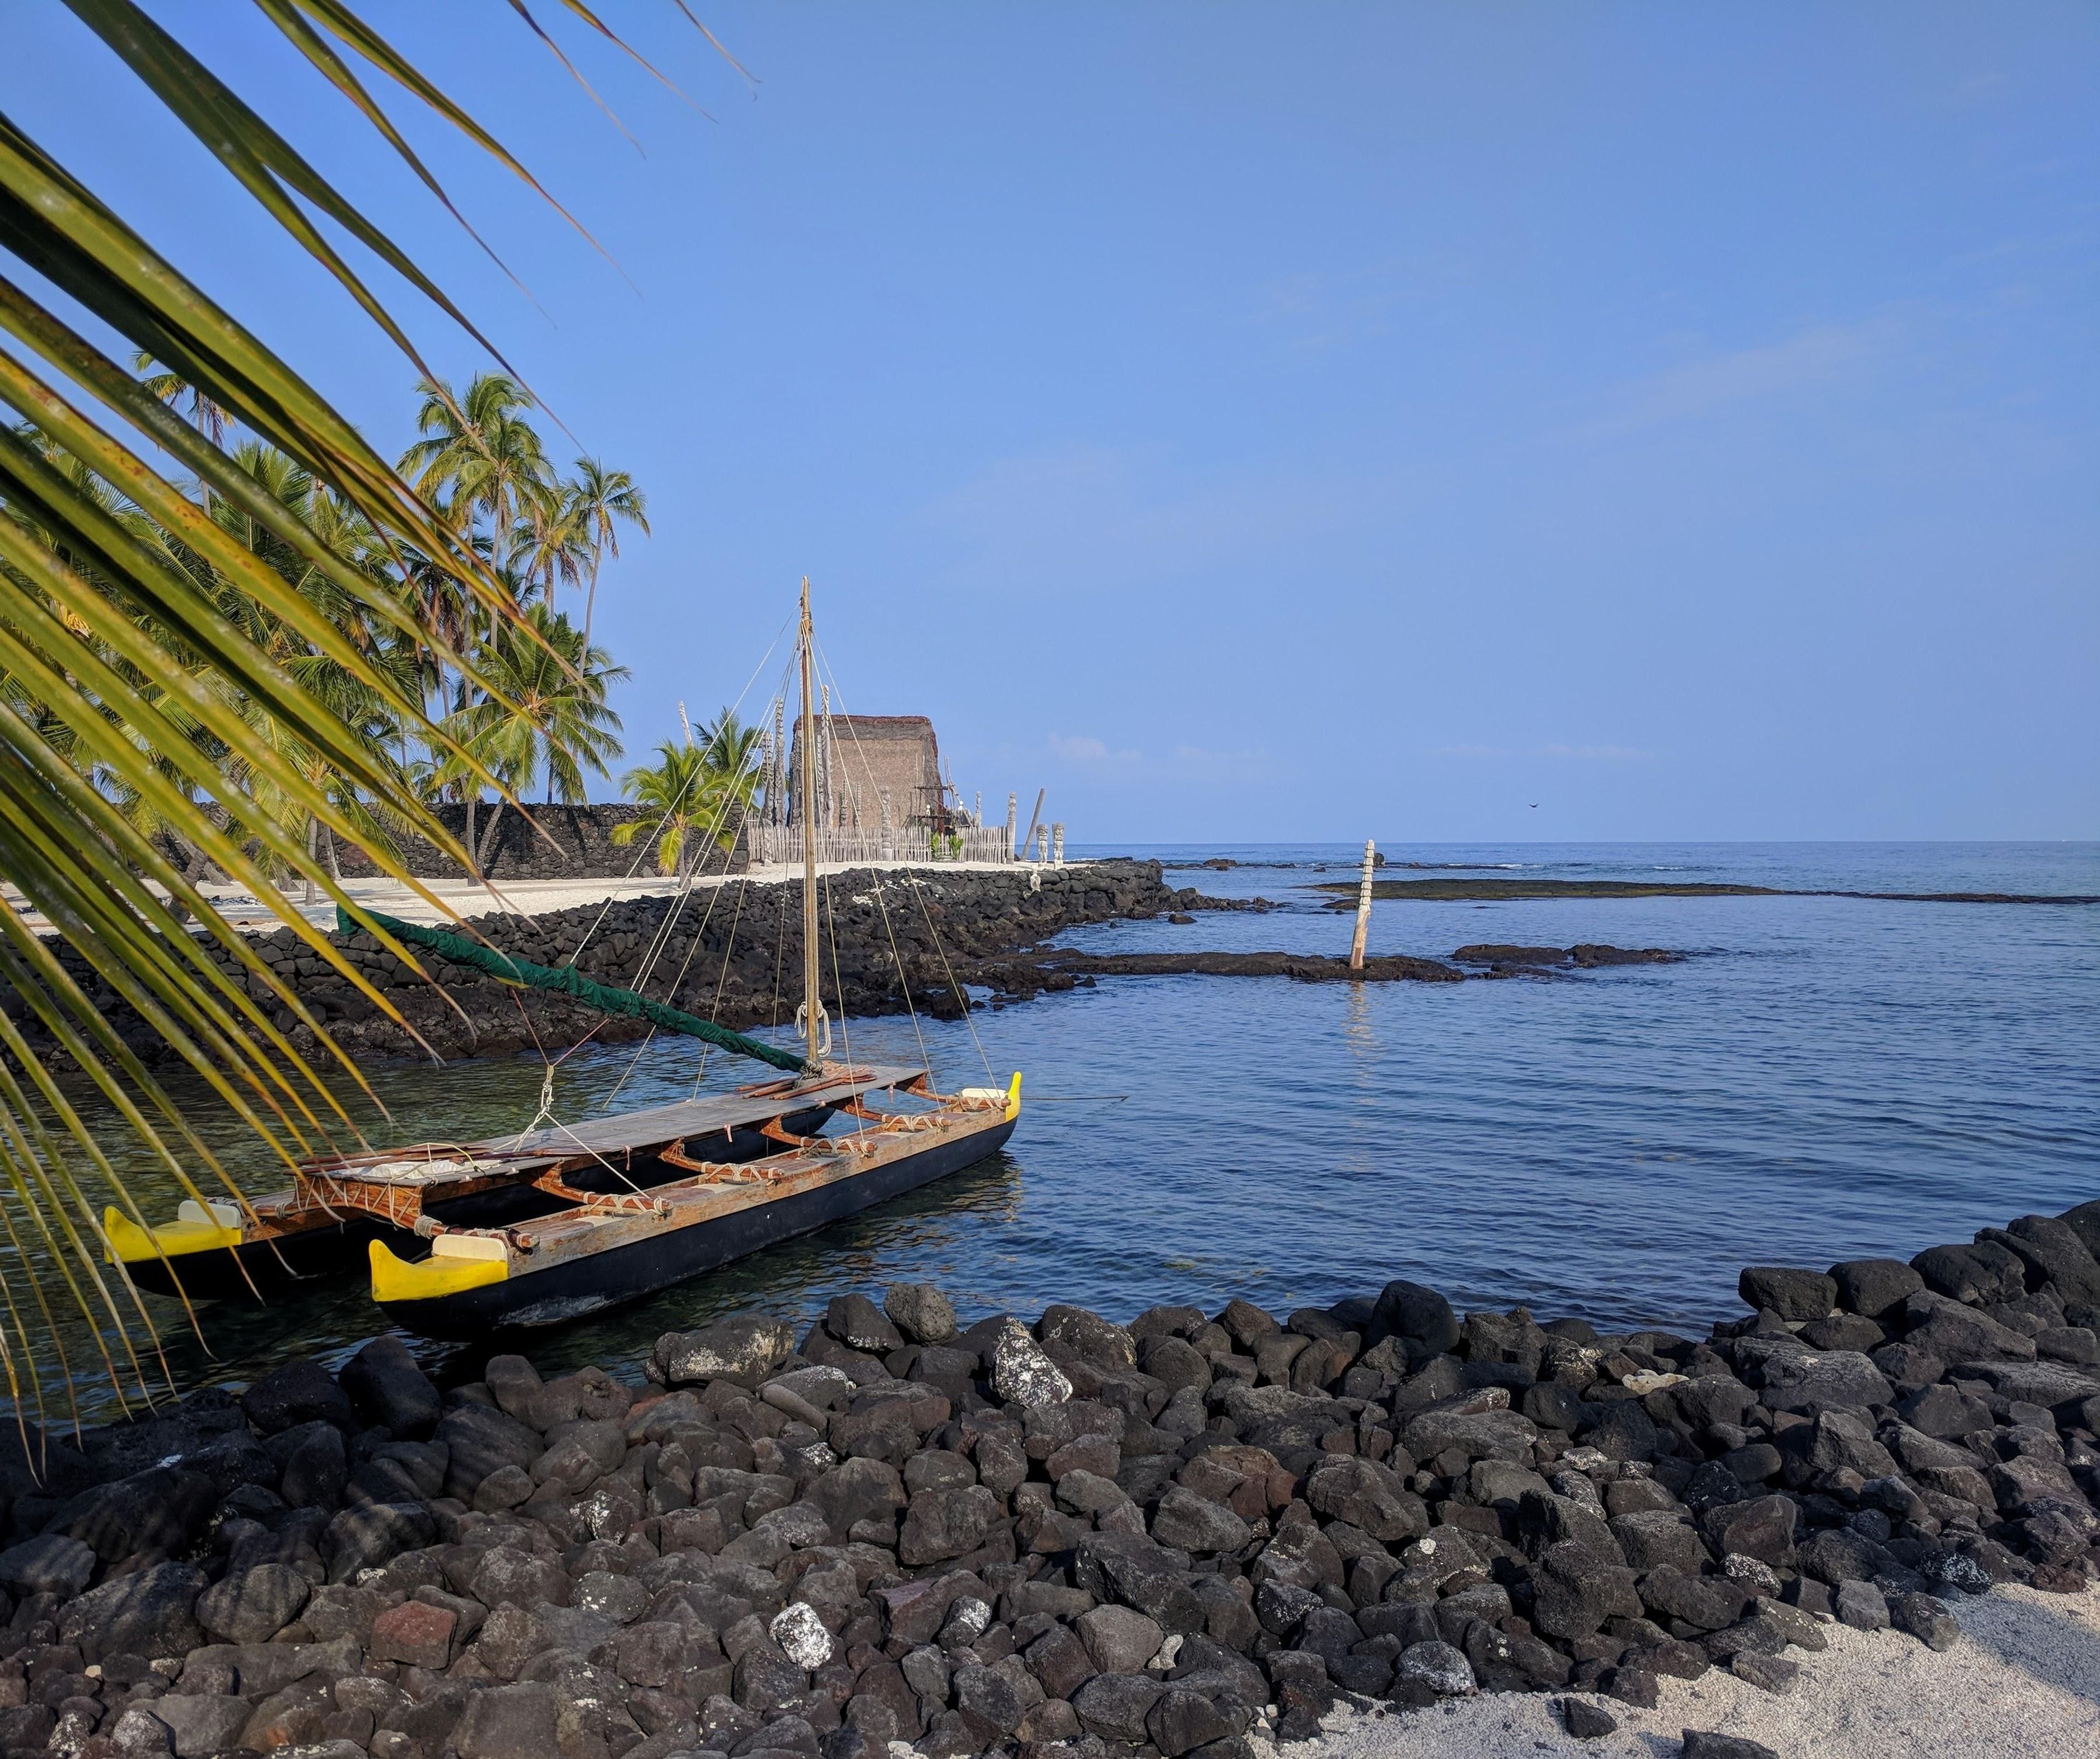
<point>641,855</point>
<point>888,928</point>
<point>911,878</point>
<point>550,1064</point>
<point>662,939</point>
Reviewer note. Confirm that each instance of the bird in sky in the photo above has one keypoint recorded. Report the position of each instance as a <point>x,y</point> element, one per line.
<point>1534,805</point>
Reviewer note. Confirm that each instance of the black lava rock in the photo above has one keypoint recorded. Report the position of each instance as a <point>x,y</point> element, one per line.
<point>1700,1745</point>
<point>301,1391</point>
<point>1587,1721</point>
<point>1421,1316</point>
<point>1792,1294</point>
<point>389,1390</point>
<point>1874,1288</point>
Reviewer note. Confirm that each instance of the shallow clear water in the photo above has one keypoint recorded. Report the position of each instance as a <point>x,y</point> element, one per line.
<point>1826,1077</point>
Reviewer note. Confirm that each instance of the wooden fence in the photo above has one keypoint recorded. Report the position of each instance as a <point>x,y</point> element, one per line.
<point>772,844</point>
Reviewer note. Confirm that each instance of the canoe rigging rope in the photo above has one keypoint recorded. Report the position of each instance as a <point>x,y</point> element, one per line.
<point>940,948</point>
<point>722,977</point>
<point>546,1114</point>
<point>779,956</point>
<point>888,928</point>
<point>642,853</point>
<point>961,995</point>
<point>838,983</point>
<point>661,939</point>
<point>567,980</point>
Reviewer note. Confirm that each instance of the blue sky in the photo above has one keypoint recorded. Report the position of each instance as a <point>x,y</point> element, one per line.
<point>1289,423</point>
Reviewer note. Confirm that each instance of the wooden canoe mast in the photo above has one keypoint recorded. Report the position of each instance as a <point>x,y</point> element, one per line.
<point>815,1030</point>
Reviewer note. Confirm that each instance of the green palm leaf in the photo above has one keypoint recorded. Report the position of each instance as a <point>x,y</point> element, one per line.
<point>226,671</point>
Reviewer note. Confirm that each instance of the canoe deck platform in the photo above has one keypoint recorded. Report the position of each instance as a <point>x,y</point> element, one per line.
<point>398,1186</point>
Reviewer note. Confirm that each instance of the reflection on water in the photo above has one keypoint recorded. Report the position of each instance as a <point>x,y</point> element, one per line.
<point>1824,1078</point>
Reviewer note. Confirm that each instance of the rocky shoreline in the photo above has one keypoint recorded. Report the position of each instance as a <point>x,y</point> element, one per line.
<point>1020,977</point>
<point>730,953</point>
<point>1194,1534</point>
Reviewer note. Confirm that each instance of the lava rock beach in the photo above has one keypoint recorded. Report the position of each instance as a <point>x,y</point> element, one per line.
<point>1191,1534</point>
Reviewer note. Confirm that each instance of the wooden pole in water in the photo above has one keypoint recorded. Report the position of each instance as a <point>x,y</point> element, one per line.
<point>1034,819</point>
<point>1363,911</point>
<point>811,1008</point>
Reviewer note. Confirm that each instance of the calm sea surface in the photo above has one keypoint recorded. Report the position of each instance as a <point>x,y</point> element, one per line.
<point>1823,1078</point>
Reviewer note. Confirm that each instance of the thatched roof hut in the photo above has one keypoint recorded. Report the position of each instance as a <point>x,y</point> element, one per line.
<point>879,765</point>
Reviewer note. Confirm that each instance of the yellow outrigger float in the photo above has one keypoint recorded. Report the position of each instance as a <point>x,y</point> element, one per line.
<point>467,1238</point>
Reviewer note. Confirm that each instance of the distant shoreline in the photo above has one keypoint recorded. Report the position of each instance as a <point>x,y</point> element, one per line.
<point>1457,891</point>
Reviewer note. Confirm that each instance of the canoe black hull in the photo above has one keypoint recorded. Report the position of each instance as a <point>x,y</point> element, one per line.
<point>580,1287</point>
<point>259,1266</point>
<point>265,1268</point>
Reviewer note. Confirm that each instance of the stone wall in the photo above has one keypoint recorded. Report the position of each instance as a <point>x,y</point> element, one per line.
<point>540,843</point>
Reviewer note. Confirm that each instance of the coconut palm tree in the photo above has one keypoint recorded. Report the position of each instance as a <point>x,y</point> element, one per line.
<point>481,459</point>
<point>699,790</point>
<point>596,502</point>
<point>675,790</point>
<point>732,751</point>
<point>551,551</point>
<point>545,713</point>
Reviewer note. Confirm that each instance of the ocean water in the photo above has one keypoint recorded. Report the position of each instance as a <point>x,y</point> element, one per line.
<point>1823,1078</point>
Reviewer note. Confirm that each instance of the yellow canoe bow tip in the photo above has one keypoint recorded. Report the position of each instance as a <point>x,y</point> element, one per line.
<point>458,1261</point>
<point>1008,1096</point>
<point>195,1228</point>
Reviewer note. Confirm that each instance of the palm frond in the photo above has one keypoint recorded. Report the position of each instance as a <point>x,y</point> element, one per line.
<point>213,675</point>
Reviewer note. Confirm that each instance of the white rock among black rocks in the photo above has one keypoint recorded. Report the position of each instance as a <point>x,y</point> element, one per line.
<point>801,1635</point>
<point>1022,1373</point>
<point>740,1348</point>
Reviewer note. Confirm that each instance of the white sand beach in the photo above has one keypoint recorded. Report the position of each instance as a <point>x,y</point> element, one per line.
<point>525,898</point>
<point>2023,1683</point>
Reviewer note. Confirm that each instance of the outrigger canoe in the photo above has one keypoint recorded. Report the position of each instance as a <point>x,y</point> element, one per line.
<point>335,1207</point>
<point>469,1238</point>
<point>595,1255</point>
<point>464,1239</point>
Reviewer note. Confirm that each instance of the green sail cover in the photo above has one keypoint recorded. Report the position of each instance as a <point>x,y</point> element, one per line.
<point>569,981</point>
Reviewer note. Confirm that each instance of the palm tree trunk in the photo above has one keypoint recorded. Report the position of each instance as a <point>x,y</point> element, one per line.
<point>590,604</point>
<point>488,837</point>
<point>473,848</point>
<point>313,852</point>
<point>335,863</point>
